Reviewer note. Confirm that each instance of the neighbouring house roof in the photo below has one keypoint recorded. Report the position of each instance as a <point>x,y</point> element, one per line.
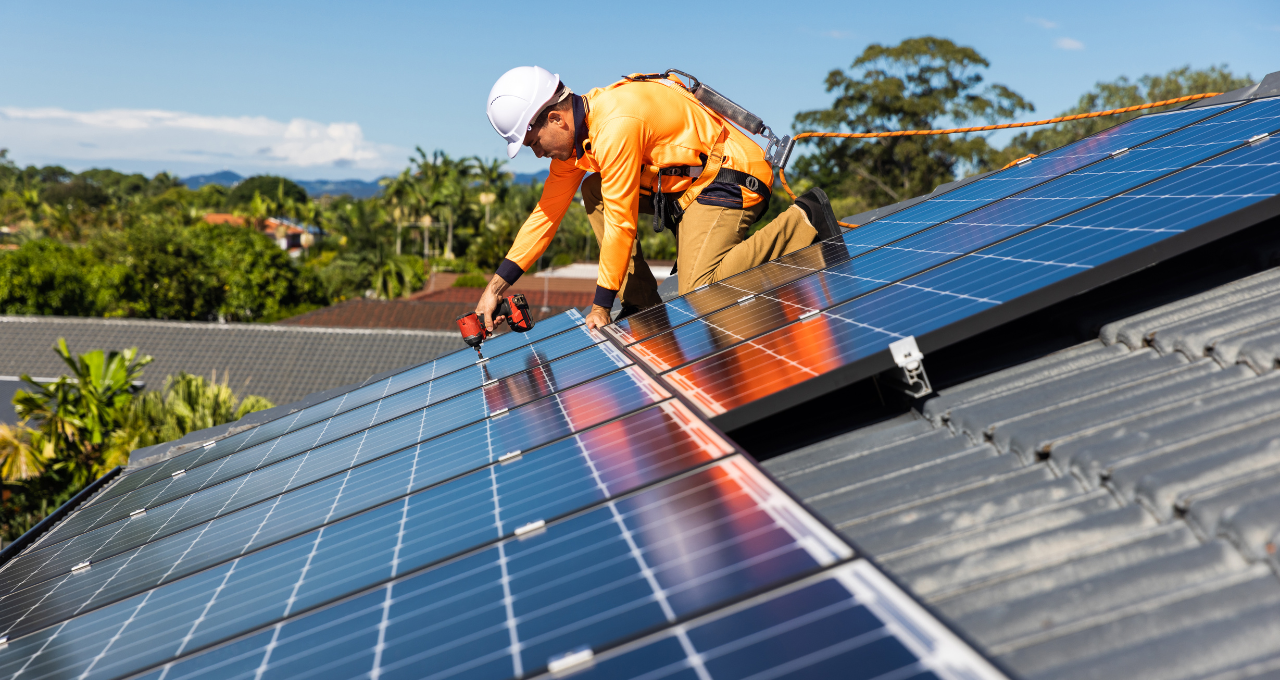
<point>403,314</point>
<point>281,363</point>
<point>1110,510</point>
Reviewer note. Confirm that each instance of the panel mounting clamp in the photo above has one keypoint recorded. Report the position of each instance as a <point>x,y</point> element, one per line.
<point>909,377</point>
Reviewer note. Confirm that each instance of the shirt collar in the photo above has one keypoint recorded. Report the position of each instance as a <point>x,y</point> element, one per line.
<point>579,125</point>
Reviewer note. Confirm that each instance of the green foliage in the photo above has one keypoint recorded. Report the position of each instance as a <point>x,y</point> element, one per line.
<point>920,83</point>
<point>1117,94</point>
<point>265,185</point>
<point>472,280</point>
<point>77,414</point>
<point>157,270</point>
<point>79,426</point>
<point>44,276</point>
<point>186,403</point>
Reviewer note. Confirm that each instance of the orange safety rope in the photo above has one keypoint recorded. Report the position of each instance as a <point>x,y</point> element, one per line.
<point>983,128</point>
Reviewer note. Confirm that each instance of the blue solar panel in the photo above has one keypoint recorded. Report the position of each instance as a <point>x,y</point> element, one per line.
<point>883,266</point>
<point>449,399</point>
<point>849,622</point>
<point>1028,258</point>
<point>905,222</point>
<point>530,425</point>
<point>545,342</point>
<point>629,565</point>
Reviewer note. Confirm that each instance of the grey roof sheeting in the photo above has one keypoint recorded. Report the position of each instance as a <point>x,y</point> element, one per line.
<point>281,363</point>
<point>1110,510</point>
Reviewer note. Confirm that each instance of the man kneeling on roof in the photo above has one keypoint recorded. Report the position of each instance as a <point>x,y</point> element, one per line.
<point>653,148</point>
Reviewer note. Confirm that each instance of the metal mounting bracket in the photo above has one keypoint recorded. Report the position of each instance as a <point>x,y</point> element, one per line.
<point>909,377</point>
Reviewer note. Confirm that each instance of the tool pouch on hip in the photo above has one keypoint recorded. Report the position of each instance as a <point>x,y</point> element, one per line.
<point>666,212</point>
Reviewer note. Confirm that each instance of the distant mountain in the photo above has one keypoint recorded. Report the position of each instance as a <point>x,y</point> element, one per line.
<point>226,178</point>
<point>356,188</point>
<point>317,187</point>
<point>529,177</point>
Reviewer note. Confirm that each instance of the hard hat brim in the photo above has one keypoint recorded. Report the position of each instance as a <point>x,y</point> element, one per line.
<point>513,148</point>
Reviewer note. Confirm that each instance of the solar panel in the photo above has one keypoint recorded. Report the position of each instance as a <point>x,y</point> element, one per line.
<point>537,422</point>
<point>303,458</point>
<point>904,222</point>
<point>930,247</point>
<point>981,262</point>
<point>508,353</point>
<point>848,622</point>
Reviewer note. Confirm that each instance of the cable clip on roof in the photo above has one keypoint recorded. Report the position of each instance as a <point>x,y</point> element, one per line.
<point>909,377</point>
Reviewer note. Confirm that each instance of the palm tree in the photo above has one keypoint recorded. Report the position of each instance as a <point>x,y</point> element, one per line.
<point>445,187</point>
<point>76,415</point>
<point>405,200</point>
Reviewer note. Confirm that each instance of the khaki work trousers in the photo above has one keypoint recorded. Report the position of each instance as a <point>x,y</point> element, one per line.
<point>712,243</point>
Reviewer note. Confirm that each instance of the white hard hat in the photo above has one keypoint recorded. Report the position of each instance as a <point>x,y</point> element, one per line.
<point>516,99</point>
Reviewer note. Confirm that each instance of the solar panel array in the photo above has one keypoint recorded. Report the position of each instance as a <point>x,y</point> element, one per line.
<point>748,345</point>
<point>494,519</point>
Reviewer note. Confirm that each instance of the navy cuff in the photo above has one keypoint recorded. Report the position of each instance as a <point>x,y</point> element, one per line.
<point>510,271</point>
<point>604,297</point>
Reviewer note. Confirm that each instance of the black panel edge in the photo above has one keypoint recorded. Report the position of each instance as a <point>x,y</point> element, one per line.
<point>10,551</point>
<point>986,320</point>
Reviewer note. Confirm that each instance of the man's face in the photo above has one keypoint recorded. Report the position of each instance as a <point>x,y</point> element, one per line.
<point>552,138</point>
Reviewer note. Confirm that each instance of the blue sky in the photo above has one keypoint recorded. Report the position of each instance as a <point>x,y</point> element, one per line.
<point>344,89</point>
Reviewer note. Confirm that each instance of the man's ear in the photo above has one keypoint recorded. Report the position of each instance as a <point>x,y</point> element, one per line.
<point>558,119</point>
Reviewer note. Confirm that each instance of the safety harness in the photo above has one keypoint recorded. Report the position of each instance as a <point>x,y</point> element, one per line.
<point>669,208</point>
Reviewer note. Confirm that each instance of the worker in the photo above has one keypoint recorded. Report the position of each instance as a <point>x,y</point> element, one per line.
<point>648,143</point>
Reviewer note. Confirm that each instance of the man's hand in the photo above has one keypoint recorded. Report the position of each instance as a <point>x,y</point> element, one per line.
<point>597,317</point>
<point>489,301</point>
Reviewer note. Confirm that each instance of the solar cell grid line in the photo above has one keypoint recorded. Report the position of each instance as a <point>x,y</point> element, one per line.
<point>309,507</point>
<point>419,530</point>
<point>990,224</point>
<point>541,349</point>
<point>847,622</point>
<point>897,225</point>
<point>234,494</point>
<point>1112,238</point>
<point>511,389</point>
<point>707,538</point>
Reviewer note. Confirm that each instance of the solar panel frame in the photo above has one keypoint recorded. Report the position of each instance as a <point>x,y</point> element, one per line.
<point>1005,312</point>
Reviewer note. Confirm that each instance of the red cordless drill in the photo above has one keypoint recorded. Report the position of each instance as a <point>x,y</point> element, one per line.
<point>514,307</point>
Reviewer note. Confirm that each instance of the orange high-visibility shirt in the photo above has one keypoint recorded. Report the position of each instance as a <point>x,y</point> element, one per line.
<point>631,127</point>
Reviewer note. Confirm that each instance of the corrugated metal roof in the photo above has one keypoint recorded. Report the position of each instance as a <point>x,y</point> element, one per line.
<point>1110,510</point>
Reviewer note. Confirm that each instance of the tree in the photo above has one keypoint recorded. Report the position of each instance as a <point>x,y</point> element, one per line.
<point>77,414</point>
<point>44,276</point>
<point>920,83</point>
<point>186,403</point>
<point>266,185</point>
<point>1116,94</point>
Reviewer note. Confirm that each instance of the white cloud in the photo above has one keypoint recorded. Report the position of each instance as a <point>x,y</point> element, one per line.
<point>189,140</point>
<point>1042,22</point>
<point>1068,44</point>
